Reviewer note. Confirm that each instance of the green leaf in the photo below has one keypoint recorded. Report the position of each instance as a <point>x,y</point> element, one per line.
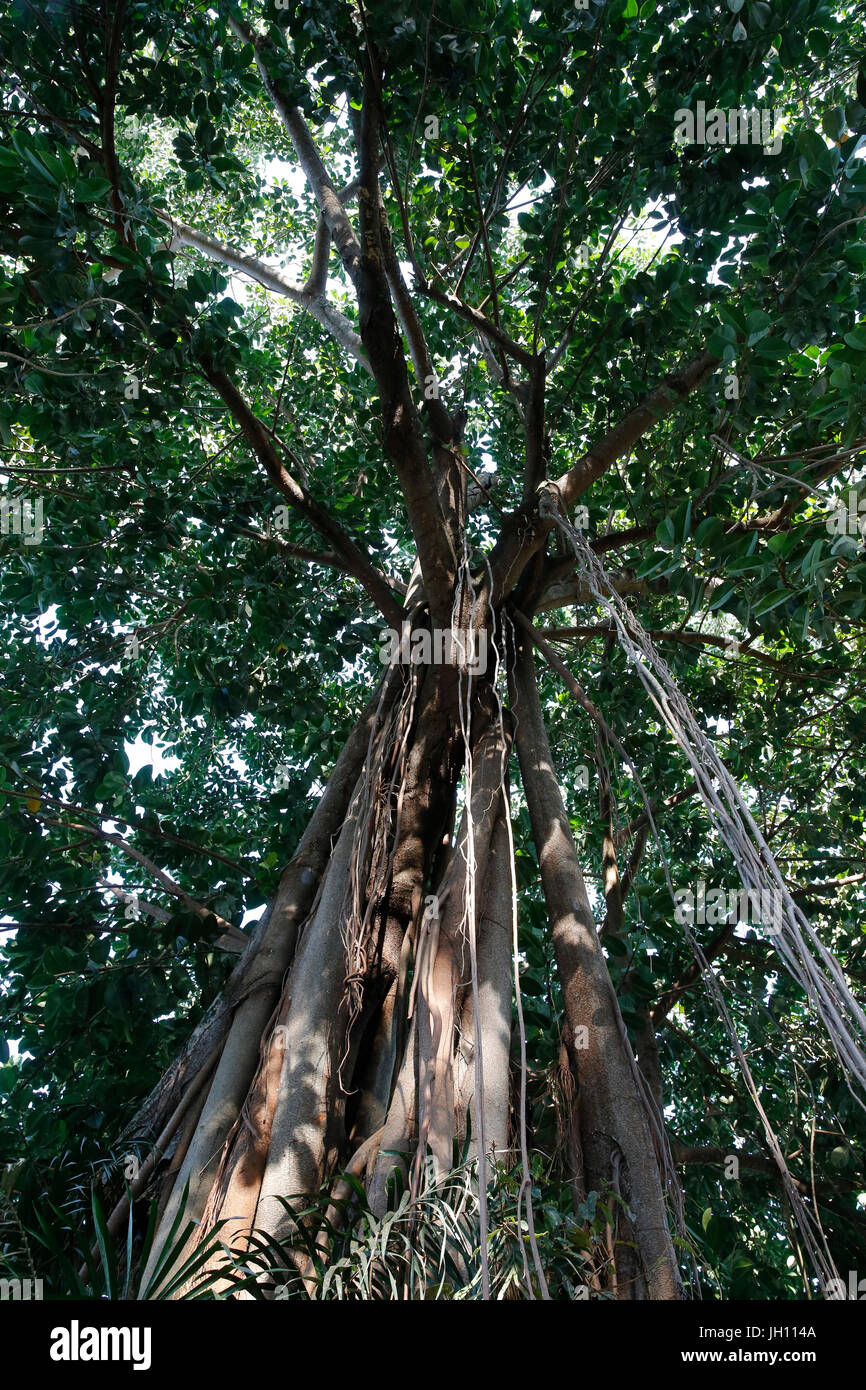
<point>785,200</point>
<point>759,325</point>
<point>810,562</point>
<point>665,533</point>
<point>708,531</point>
<point>722,596</point>
<point>771,601</point>
<point>106,1247</point>
<point>819,42</point>
<point>833,123</point>
<point>91,190</point>
<point>811,146</point>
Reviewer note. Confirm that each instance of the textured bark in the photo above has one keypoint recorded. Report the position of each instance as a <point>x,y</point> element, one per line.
<point>262,444</point>
<point>524,533</point>
<point>285,1100</point>
<point>312,299</point>
<point>445,962</point>
<point>183,1141</point>
<point>379,1058</point>
<point>271,946</point>
<point>622,438</point>
<point>291,1073</point>
<point>618,1152</point>
<point>236,1198</point>
<point>225,1097</point>
<point>257,980</point>
<point>310,1100</point>
<point>402,432</point>
<point>180,1128</point>
<point>424,814</point>
<point>400,1129</point>
<point>495,996</point>
<point>648,1058</point>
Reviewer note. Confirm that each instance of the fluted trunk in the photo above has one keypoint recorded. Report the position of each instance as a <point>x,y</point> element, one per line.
<point>369,1027</point>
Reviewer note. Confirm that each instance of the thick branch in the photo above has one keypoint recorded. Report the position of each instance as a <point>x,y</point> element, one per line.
<point>536,463</point>
<point>232,933</point>
<point>479,322</point>
<point>403,438</point>
<point>622,438</point>
<point>557,664</point>
<point>317,557</point>
<point>443,426</point>
<point>525,532</point>
<point>317,177</point>
<point>317,279</point>
<point>402,435</point>
<point>310,297</point>
<point>562,592</point>
<point>113,33</point>
<point>758,1163</point>
<point>262,445</point>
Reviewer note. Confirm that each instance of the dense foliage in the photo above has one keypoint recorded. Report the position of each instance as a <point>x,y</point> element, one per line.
<point>173,601</point>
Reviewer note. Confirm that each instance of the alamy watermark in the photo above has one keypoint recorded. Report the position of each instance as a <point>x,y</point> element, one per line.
<point>21,516</point>
<point>738,126</point>
<point>836,1289</point>
<point>77,1343</point>
<point>20,1290</point>
<point>717,905</point>
<point>466,650</point>
<point>850,520</point>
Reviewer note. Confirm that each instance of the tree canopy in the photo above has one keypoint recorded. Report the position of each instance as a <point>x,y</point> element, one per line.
<point>214,494</point>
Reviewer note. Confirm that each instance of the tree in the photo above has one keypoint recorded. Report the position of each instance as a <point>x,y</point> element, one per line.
<point>573,374</point>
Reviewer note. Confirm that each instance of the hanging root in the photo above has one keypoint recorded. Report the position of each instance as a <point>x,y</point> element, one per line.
<point>447,940</point>
<point>803,954</point>
<point>461,994</point>
<point>378,830</point>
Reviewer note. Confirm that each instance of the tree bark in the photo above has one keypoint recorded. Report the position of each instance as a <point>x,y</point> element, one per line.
<point>495,995</point>
<point>618,1151</point>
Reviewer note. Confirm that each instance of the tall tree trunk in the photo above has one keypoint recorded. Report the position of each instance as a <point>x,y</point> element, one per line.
<point>619,1157</point>
<point>369,1023</point>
